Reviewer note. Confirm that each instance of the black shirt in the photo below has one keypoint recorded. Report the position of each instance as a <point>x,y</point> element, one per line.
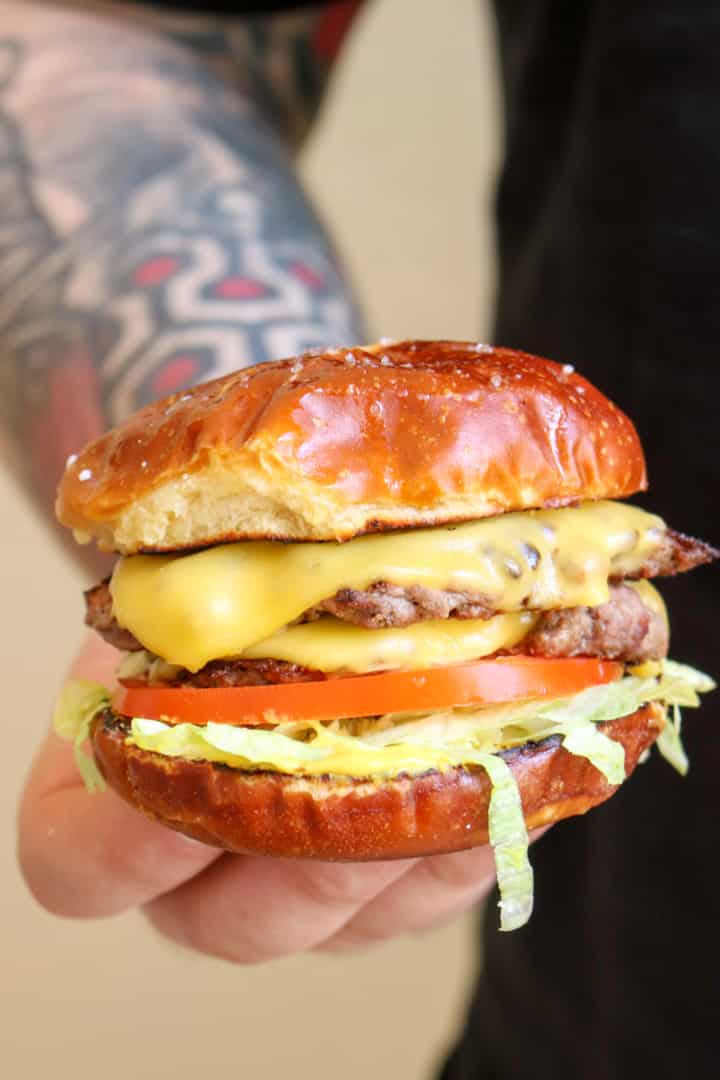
<point>609,237</point>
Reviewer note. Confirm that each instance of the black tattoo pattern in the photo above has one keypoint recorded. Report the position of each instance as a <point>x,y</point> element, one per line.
<point>152,234</point>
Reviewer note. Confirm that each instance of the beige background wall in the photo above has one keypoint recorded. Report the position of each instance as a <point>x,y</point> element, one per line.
<point>401,168</point>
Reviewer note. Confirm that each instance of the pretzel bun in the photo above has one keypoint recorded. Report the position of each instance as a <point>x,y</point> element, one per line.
<point>264,813</point>
<point>334,444</point>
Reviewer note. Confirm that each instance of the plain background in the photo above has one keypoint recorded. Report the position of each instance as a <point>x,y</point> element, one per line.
<point>402,170</point>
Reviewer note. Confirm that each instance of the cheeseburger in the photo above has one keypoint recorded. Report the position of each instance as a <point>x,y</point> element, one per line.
<point>377,603</point>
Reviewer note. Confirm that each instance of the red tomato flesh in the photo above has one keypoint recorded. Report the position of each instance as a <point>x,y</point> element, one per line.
<point>483,682</point>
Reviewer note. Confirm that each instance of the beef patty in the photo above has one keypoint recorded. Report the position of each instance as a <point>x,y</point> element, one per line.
<point>384,605</point>
<point>624,628</point>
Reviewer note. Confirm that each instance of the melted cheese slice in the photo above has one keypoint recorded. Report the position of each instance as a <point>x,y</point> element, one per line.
<point>190,609</point>
<point>333,645</point>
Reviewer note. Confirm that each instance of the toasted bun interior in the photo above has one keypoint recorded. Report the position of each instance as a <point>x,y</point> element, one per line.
<point>334,444</point>
<point>266,813</point>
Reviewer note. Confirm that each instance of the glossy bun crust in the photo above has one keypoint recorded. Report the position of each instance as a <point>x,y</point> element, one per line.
<point>334,444</point>
<point>338,819</point>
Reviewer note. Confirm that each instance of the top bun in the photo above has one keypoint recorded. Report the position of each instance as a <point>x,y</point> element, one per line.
<point>338,443</point>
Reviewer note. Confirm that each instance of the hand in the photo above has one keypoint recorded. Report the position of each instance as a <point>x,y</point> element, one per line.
<point>87,856</point>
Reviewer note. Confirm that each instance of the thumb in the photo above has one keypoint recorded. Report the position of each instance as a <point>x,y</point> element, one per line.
<point>90,855</point>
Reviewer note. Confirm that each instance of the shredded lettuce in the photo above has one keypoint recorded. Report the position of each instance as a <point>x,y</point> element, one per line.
<point>286,749</point>
<point>605,754</point>
<point>682,684</point>
<point>509,841</point>
<point>670,744</point>
<point>77,705</point>
<point>698,680</point>
<point>236,746</point>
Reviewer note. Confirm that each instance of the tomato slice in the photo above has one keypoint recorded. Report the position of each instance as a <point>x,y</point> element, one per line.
<point>484,682</point>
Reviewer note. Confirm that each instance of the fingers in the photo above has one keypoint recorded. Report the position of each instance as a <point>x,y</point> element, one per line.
<point>436,890</point>
<point>90,855</point>
<point>248,910</point>
<point>86,855</point>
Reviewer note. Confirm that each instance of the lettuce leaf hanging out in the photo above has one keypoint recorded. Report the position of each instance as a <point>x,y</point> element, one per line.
<point>77,705</point>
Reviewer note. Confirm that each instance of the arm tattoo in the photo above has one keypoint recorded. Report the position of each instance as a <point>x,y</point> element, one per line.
<point>282,62</point>
<point>152,234</point>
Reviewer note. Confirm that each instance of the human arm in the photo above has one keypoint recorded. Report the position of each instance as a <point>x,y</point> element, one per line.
<point>141,289</point>
<point>153,230</point>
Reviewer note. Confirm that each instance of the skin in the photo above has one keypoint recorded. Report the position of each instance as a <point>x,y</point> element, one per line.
<point>151,211</point>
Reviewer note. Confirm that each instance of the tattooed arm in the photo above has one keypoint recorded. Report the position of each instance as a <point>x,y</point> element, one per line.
<point>152,232</point>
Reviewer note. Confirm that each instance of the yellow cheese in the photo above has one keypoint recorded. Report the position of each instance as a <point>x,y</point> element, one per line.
<point>190,609</point>
<point>332,645</point>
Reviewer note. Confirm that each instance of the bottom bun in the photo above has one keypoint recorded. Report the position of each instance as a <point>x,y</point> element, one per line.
<point>335,818</point>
